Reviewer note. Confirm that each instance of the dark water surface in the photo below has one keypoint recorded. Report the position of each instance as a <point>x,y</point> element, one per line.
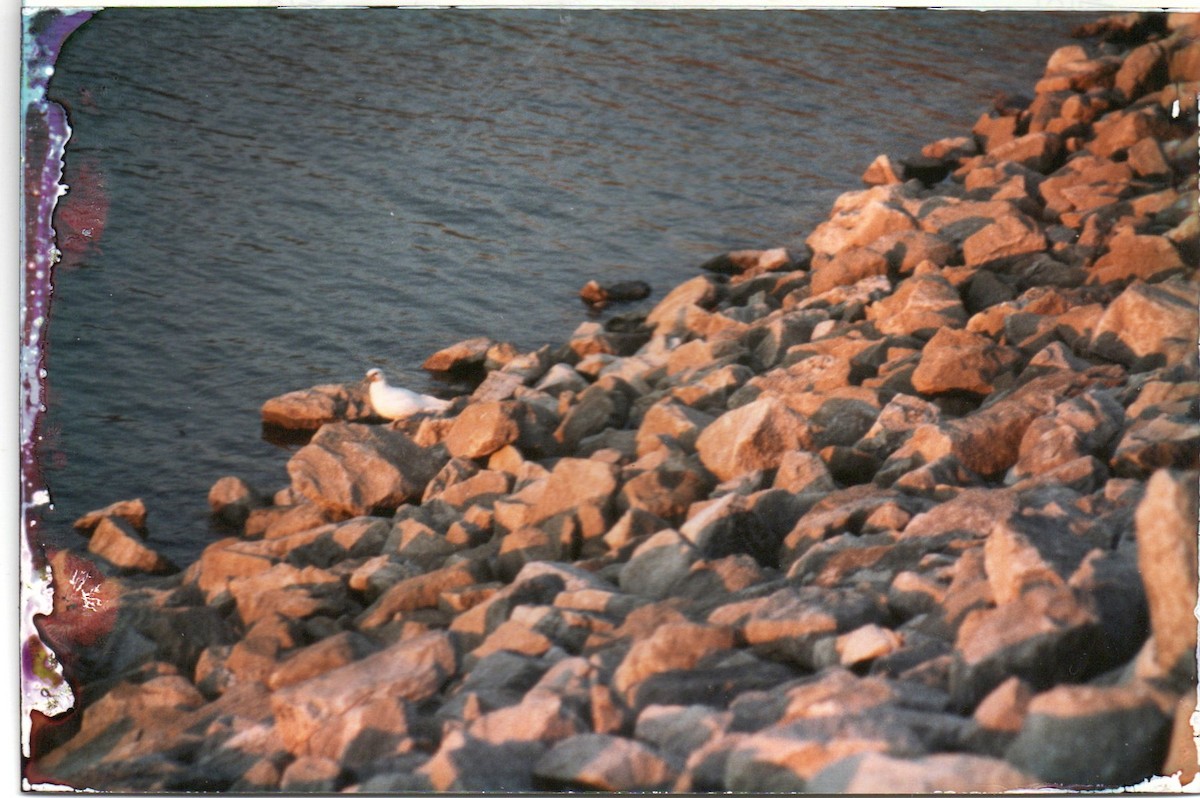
<point>280,198</point>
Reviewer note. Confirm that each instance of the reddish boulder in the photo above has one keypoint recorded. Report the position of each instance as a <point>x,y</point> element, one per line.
<point>132,511</point>
<point>467,354</point>
<point>1166,536</point>
<point>358,469</point>
<point>1152,324</point>
<point>117,542</point>
<point>310,408</point>
<point>483,428</point>
<point>754,436</point>
<point>957,360</point>
<point>1004,237</point>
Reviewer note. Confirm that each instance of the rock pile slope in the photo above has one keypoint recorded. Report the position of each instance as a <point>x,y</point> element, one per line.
<point>912,510</point>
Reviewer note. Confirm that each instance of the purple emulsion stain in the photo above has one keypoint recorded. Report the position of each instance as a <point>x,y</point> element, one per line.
<point>45,133</point>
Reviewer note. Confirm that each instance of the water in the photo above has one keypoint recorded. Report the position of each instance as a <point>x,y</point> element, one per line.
<point>269,199</point>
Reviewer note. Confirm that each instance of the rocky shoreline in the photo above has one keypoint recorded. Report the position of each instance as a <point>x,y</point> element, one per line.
<point>912,510</point>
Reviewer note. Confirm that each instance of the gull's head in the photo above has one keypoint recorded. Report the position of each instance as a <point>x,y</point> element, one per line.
<point>374,375</point>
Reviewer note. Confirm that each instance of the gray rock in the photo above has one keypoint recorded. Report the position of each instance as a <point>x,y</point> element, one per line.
<point>658,565</point>
<point>1045,636</point>
<point>1082,736</point>
<point>677,731</point>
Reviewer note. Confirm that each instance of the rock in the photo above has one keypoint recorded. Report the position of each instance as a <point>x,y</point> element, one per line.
<point>1147,160</point>
<point>592,338</point>
<point>1168,441</point>
<point>733,524</point>
<point>658,565</point>
<point>1181,754</point>
<point>465,764</point>
<point>881,172</point>
<point>541,716</point>
<point>666,491</point>
<point>1166,549</point>
<point>921,305</point>
<point>1084,736</point>
<point>559,378</point>
<point>950,149</point>
<point>498,386</point>
<point>319,658</point>
<point>311,715</point>
<point>462,356</point>
<point>905,250</point>
<point>1148,324</point>
<point>357,469</point>
<point>1005,237</point>
<point>677,731</point>
<point>669,316</point>
<point>1144,70</point>
<point>310,408</point>
<point>230,499</point>
<point>602,762</point>
<point>852,227</point>
<point>116,541</point>
<point>1000,716</point>
<point>1117,131</point>
<point>1137,257</point>
<point>595,411</point>
<point>957,360</point>
<point>1085,425</point>
<point>789,624</point>
<point>896,422</point>
<point>847,267</point>
<point>132,511</point>
<point>673,646</point>
<point>1004,179</point>
<point>598,296</point>
<point>417,592</point>
<point>310,774</point>
<point>879,773</point>
<point>766,260</point>
<point>1020,554</point>
<point>1084,183</point>
<point>1038,152</point>
<point>128,722</point>
<point>994,131</point>
<point>800,471</point>
<point>927,169</point>
<point>866,643</point>
<point>1044,636</point>
<point>580,493</point>
<point>483,428</point>
<point>784,758</point>
<point>530,544</point>
<point>754,436</point>
<point>988,440</point>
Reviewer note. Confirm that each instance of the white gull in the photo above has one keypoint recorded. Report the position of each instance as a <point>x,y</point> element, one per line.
<point>390,401</point>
